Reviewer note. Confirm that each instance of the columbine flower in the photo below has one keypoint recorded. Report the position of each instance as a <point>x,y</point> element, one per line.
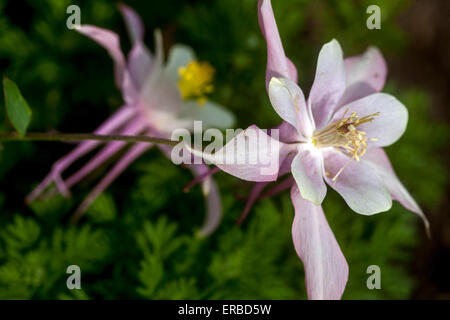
<point>159,97</point>
<point>334,137</point>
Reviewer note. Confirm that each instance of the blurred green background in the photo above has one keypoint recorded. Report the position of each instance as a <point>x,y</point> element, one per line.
<point>137,240</point>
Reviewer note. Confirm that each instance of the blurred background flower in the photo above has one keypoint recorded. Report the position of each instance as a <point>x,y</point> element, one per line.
<point>137,239</point>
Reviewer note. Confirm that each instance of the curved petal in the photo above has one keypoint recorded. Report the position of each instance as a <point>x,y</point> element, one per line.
<point>210,113</point>
<point>179,56</point>
<point>326,270</point>
<point>139,58</point>
<point>212,201</point>
<point>152,83</point>
<point>252,155</point>
<point>378,159</point>
<point>307,169</point>
<point>213,208</point>
<point>289,102</point>
<point>139,64</point>
<point>134,23</point>
<point>278,65</point>
<point>329,83</point>
<point>110,41</point>
<point>357,183</point>
<point>210,191</point>
<point>388,126</point>
<point>365,75</point>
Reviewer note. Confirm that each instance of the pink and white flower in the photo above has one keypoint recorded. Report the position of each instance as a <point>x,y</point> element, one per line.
<point>334,137</point>
<point>159,97</point>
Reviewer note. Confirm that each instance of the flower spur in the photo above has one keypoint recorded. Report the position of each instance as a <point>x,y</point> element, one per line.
<point>159,97</point>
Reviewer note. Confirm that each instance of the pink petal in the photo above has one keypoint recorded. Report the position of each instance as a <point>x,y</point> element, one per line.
<point>307,169</point>
<point>278,65</point>
<point>388,126</point>
<point>358,184</point>
<point>157,64</point>
<point>134,23</point>
<point>110,41</point>
<point>289,102</point>
<point>139,64</point>
<point>115,121</point>
<point>213,203</point>
<point>326,270</point>
<point>252,155</point>
<point>329,83</point>
<point>378,159</point>
<point>213,208</point>
<point>139,58</point>
<point>210,191</point>
<point>365,74</point>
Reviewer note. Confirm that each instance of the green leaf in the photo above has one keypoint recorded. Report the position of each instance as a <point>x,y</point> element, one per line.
<point>19,113</point>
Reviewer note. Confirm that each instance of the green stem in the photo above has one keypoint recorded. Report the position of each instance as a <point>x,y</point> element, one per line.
<point>82,137</point>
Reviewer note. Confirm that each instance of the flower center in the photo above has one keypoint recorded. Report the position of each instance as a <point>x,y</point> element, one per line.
<point>345,135</point>
<point>196,81</point>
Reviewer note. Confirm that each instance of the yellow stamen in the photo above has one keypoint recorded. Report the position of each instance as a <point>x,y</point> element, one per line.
<point>196,81</point>
<point>343,134</point>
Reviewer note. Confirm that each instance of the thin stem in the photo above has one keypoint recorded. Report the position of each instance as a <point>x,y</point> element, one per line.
<point>82,137</point>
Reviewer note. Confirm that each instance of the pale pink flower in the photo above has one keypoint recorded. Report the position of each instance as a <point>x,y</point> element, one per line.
<point>159,97</point>
<point>334,137</point>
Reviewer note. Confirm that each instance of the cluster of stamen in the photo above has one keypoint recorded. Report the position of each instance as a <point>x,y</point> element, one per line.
<point>344,134</point>
<point>196,81</point>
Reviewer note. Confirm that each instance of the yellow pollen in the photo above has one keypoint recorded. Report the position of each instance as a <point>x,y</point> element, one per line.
<point>196,81</point>
<point>343,134</point>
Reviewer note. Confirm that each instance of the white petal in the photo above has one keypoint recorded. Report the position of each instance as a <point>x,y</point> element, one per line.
<point>289,102</point>
<point>329,83</point>
<point>179,56</point>
<point>388,126</point>
<point>358,184</point>
<point>307,169</point>
<point>212,114</point>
